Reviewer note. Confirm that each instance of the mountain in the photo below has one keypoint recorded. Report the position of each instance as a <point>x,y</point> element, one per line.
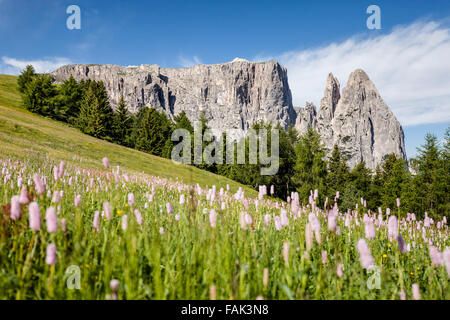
<point>358,121</point>
<point>236,94</point>
<point>233,95</point>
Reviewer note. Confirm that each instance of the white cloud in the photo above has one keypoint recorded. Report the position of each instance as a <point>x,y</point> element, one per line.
<point>15,66</point>
<point>410,66</point>
<point>188,62</point>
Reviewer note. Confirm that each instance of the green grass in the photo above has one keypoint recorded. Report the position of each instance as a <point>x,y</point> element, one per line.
<point>23,133</point>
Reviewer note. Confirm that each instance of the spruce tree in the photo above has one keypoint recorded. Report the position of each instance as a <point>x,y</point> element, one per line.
<point>310,168</point>
<point>25,78</point>
<point>39,95</point>
<point>122,123</point>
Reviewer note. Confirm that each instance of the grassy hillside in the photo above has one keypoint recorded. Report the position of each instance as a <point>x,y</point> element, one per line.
<point>25,135</point>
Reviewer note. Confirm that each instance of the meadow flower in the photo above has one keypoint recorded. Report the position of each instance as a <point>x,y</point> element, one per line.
<point>96,221</point>
<point>278,225</point>
<point>369,229</point>
<point>401,244</point>
<point>248,219</point>
<point>38,186</point>
<point>114,285</point>
<point>436,256</point>
<point>34,216</point>
<point>308,237</point>
<point>77,200</point>
<point>265,277</point>
<point>63,225</point>
<point>169,208</point>
<point>212,292</point>
<point>107,210</point>
<point>284,218</point>
<point>161,230</point>
<point>212,218</point>
<point>177,217</point>
<point>124,222</point>
<point>402,295</point>
<point>272,190</point>
<point>392,227</point>
<point>182,199</point>
<point>105,162</point>
<point>286,252</point>
<point>416,291</point>
<point>50,258</point>
<point>51,220</point>
<point>446,258</point>
<point>56,197</point>
<point>339,270</point>
<point>23,199</point>
<point>365,256</point>
<point>267,220</point>
<point>324,257</point>
<point>138,216</point>
<point>332,222</point>
<point>131,199</point>
<point>15,207</point>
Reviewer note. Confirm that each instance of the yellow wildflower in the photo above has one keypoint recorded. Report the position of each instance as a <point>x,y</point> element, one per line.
<point>384,255</point>
<point>119,212</point>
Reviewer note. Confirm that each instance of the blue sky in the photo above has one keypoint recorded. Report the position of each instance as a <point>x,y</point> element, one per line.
<point>311,38</point>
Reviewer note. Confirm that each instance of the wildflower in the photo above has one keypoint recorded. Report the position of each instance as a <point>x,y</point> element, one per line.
<point>284,218</point>
<point>23,199</point>
<point>332,222</point>
<point>114,285</point>
<point>50,259</point>
<point>124,222</point>
<point>131,199</point>
<point>339,270</point>
<point>34,216</point>
<point>56,197</point>
<point>446,256</point>
<point>107,210</point>
<point>272,189</point>
<point>398,202</point>
<point>324,257</point>
<point>401,244</point>
<point>182,199</point>
<point>384,255</point>
<point>369,229</point>
<point>212,218</point>
<point>265,277</point>
<point>402,295</point>
<point>212,292</point>
<point>259,297</point>
<point>105,162</point>
<point>161,230</point>
<point>119,212</point>
<point>15,207</point>
<point>278,225</point>
<point>38,184</point>
<point>286,252</point>
<point>77,200</point>
<point>308,237</point>
<point>63,225</point>
<point>177,217</point>
<point>96,222</point>
<point>416,291</point>
<point>436,256</point>
<point>267,220</point>
<point>366,258</point>
<point>169,208</point>
<point>392,227</point>
<point>51,220</point>
<point>248,219</point>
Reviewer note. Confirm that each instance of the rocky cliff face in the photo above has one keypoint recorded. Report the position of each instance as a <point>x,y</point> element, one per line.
<point>233,95</point>
<point>359,121</point>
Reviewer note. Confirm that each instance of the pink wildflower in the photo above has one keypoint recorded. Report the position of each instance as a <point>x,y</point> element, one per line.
<point>51,220</point>
<point>34,216</point>
<point>15,207</point>
<point>50,259</point>
<point>366,258</point>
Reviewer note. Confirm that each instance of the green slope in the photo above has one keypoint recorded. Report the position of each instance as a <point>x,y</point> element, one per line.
<point>26,135</point>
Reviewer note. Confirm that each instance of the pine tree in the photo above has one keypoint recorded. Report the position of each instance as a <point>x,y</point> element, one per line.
<point>310,168</point>
<point>25,78</point>
<point>338,172</point>
<point>39,95</point>
<point>70,96</point>
<point>122,123</point>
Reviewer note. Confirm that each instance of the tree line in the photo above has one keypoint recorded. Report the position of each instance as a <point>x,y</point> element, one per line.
<point>303,162</point>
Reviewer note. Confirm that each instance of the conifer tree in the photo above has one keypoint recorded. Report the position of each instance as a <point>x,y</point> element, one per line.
<point>122,123</point>
<point>25,78</point>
